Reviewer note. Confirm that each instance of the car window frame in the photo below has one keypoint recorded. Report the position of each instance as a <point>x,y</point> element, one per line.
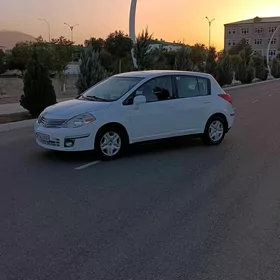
<point>199,89</point>
<point>132,95</point>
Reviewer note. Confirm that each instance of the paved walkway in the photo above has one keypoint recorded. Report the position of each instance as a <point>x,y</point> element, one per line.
<point>16,108</point>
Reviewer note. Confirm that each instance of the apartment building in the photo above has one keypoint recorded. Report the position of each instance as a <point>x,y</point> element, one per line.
<point>257,32</point>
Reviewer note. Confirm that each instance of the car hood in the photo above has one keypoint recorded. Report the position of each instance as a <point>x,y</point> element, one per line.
<point>74,107</point>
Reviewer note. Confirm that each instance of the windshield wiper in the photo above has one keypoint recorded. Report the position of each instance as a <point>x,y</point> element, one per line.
<point>96,98</point>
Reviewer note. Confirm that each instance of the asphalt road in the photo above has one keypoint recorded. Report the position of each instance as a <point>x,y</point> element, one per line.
<point>170,211</point>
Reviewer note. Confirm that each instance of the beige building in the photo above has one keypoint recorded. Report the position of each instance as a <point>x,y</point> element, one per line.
<point>257,32</point>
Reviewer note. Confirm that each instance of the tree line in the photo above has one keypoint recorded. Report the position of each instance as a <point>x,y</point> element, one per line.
<point>100,58</point>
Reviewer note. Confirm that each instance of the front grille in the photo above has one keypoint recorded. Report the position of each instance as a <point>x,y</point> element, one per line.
<point>53,142</point>
<point>51,123</point>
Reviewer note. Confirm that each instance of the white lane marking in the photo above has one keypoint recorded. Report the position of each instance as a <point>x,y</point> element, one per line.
<point>270,94</point>
<point>255,101</point>
<point>87,165</point>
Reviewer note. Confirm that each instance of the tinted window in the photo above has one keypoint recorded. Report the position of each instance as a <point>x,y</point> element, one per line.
<point>204,86</point>
<point>157,89</point>
<point>112,88</point>
<point>190,86</point>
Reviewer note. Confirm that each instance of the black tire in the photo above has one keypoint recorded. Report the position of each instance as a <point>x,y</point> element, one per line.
<point>206,137</point>
<point>110,130</point>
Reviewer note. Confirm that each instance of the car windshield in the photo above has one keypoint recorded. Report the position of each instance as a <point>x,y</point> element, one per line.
<point>111,89</point>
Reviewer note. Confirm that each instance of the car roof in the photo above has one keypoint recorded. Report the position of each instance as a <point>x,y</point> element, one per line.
<point>156,73</point>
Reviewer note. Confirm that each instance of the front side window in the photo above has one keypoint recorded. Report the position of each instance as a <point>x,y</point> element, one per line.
<point>157,89</point>
<point>190,86</point>
<point>111,89</point>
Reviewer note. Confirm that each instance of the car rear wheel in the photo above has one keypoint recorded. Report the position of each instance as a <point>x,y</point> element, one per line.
<point>110,143</point>
<point>215,131</point>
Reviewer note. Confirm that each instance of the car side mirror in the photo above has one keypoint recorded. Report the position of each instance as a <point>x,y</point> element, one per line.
<point>138,100</point>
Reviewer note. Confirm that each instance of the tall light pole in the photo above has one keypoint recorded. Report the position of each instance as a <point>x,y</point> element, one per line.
<point>49,28</point>
<point>132,29</point>
<point>267,52</point>
<point>71,28</point>
<point>209,23</point>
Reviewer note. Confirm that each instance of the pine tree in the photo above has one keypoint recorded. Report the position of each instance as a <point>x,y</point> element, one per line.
<point>275,69</point>
<point>142,50</point>
<point>211,63</point>
<point>182,60</point>
<point>38,89</point>
<point>223,73</point>
<point>91,69</point>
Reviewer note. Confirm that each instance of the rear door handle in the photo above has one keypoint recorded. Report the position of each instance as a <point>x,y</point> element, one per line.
<point>206,102</point>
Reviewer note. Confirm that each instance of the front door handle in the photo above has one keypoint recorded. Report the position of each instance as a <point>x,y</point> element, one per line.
<point>206,102</point>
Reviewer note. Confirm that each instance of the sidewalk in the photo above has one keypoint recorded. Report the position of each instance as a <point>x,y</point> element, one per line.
<point>12,108</point>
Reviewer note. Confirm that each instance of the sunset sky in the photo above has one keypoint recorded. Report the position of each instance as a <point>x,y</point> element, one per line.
<point>171,20</point>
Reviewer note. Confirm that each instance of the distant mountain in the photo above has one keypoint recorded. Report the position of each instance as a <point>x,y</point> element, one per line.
<point>9,38</point>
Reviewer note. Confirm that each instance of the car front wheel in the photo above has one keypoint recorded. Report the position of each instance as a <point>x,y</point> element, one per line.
<point>110,143</point>
<point>215,131</point>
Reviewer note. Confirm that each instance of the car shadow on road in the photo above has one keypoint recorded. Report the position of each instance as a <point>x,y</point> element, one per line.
<point>161,146</point>
<point>70,157</point>
<point>135,150</point>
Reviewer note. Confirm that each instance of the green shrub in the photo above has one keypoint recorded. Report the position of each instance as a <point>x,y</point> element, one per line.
<point>263,74</point>
<point>223,73</point>
<point>275,69</point>
<point>182,60</point>
<point>210,63</point>
<point>245,73</point>
<point>38,89</point>
<point>91,69</point>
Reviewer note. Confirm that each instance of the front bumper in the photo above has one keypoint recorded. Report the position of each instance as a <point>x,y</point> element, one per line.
<point>65,139</point>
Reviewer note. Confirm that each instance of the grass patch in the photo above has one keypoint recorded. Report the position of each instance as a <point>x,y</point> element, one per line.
<point>15,117</point>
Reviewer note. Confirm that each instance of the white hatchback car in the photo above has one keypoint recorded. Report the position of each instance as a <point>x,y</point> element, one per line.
<point>134,107</point>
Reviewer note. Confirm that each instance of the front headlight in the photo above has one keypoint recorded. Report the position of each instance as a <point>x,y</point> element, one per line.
<point>41,115</point>
<point>79,121</point>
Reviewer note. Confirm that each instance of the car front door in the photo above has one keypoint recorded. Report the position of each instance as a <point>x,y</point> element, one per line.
<point>154,119</point>
<point>194,96</point>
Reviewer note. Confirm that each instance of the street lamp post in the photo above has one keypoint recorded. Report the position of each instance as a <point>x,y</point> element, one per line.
<point>209,23</point>
<point>132,29</point>
<point>267,52</point>
<point>49,29</point>
<point>71,28</point>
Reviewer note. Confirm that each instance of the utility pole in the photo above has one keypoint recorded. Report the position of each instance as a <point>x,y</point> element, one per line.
<point>48,25</point>
<point>132,13</point>
<point>71,28</point>
<point>209,23</point>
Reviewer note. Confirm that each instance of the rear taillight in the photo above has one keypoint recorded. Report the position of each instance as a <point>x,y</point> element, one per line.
<point>225,96</point>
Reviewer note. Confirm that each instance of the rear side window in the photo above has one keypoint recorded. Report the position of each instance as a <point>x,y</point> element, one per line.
<point>204,86</point>
<point>191,86</point>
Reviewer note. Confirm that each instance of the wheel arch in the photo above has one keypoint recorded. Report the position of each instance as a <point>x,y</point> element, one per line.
<point>111,125</point>
<point>219,115</point>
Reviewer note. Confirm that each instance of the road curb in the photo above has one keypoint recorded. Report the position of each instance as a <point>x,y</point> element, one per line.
<point>250,85</point>
<point>16,125</point>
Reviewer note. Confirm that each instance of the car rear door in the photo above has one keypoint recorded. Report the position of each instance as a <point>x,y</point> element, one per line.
<point>195,101</point>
